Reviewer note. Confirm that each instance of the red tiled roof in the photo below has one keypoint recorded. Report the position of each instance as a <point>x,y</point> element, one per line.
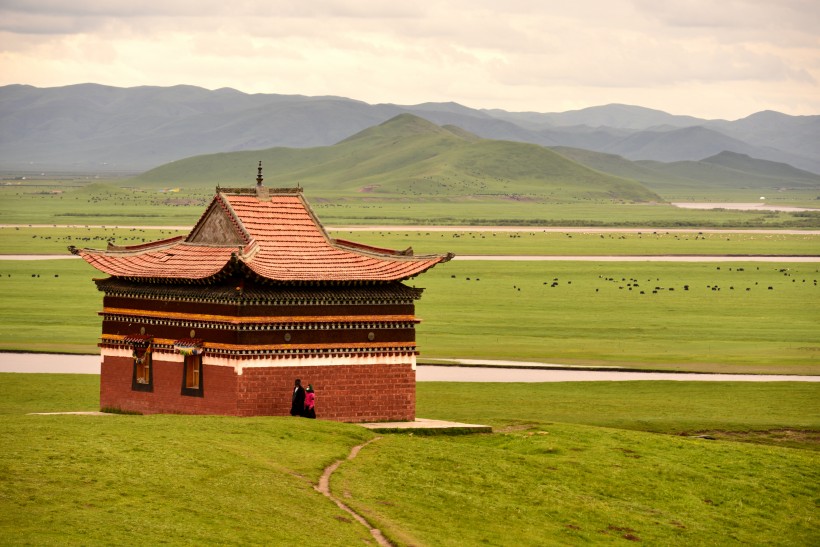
<point>276,236</point>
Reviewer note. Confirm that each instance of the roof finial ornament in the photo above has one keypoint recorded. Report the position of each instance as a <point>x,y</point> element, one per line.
<point>259,175</point>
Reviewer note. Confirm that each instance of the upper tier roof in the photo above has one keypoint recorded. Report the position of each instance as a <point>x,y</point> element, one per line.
<point>271,233</point>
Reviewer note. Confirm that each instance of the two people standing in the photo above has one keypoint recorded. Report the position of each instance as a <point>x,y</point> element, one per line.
<point>303,401</point>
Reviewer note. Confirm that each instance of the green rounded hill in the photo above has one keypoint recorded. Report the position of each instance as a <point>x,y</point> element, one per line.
<point>409,157</point>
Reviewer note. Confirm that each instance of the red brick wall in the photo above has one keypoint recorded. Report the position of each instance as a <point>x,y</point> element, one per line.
<point>219,388</point>
<point>348,393</point>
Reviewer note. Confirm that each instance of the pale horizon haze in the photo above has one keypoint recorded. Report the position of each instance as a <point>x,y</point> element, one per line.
<point>700,58</point>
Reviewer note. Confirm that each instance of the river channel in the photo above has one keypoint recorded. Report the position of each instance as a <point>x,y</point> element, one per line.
<point>502,372</point>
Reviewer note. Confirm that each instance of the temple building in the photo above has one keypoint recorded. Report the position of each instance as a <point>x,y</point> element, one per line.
<point>223,320</point>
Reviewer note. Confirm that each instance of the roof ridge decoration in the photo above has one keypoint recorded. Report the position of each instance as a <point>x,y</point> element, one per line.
<point>314,218</point>
<point>272,235</point>
<point>241,191</point>
<point>372,248</point>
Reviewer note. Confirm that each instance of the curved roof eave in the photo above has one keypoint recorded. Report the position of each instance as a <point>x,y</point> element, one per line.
<point>275,237</point>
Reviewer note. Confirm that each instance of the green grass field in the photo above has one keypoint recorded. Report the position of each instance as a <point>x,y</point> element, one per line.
<point>569,463</point>
<point>49,306</point>
<point>516,213</point>
<point>776,413</point>
<point>99,203</point>
<point>80,480</point>
<point>700,317</point>
<point>571,484</point>
<point>638,314</point>
<point>116,203</point>
<point>595,314</point>
<point>25,240</point>
<point>589,243</point>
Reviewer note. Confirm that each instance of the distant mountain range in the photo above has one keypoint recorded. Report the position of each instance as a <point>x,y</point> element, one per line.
<point>94,127</point>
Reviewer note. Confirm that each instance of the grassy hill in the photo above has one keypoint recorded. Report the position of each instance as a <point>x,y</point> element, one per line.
<point>408,156</point>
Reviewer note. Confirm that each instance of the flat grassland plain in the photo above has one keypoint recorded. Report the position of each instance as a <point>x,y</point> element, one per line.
<point>568,463</point>
<point>706,317</point>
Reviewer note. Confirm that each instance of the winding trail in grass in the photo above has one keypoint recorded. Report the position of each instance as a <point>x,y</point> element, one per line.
<point>324,488</point>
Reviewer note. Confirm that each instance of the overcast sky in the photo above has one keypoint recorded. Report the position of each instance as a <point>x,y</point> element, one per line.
<point>706,58</point>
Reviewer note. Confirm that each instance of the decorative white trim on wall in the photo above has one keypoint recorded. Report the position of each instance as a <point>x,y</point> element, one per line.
<point>285,361</point>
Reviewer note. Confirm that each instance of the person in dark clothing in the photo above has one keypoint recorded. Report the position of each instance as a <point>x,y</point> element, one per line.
<point>310,403</point>
<point>297,401</point>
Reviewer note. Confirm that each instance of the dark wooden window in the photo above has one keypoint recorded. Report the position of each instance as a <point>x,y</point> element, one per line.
<point>143,378</point>
<point>192,376</point>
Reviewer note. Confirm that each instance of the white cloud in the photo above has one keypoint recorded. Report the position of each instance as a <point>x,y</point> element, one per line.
<point>515,54</point>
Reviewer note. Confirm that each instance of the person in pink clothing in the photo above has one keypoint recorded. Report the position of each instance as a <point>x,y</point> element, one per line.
<point>310,403</point>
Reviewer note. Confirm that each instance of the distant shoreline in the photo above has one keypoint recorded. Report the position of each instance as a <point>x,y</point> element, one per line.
<point>745,207</point>
<point>469,228</point>
<point>550,258</point>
